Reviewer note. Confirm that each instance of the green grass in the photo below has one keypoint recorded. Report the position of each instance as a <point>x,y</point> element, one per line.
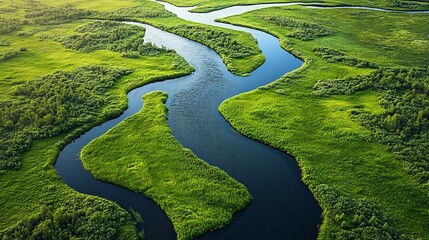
<point>208,5</point>
<point>330,147</point>
<point>142,155</point>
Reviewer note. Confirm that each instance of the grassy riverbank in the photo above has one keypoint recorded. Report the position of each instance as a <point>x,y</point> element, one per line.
<point>142,155</point>
<point>365,191</point>
<point>208,6</point>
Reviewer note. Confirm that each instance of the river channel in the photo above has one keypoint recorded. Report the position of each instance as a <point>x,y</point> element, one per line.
<point>282,206</point>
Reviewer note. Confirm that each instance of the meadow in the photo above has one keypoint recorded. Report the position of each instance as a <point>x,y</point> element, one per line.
<point>142,155</point>
<point>354,116</point>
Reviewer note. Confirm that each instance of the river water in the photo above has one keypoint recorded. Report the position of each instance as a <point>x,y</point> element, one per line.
<point>282,208</point>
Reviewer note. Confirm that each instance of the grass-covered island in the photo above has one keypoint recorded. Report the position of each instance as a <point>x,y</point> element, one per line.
<point>142,155</point>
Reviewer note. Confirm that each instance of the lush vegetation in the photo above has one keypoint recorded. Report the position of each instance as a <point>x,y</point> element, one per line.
<point>79,218</point>
<point>299,29</point>
<point>36,204</point>
<point>48,96</point>
<point>51,105</point>
<point>208,5</point>
<point>142,155</point>
<point>357,133</point>
<point>114,36</point>
<point>404,124</point>
<point>39,13</point>
<point>334,56</point>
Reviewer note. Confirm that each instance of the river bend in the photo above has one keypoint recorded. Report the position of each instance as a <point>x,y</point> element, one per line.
<point>282,208</point>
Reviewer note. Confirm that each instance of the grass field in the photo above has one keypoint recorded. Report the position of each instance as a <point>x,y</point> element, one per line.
<point>354,177</point>
<point>196,196</point>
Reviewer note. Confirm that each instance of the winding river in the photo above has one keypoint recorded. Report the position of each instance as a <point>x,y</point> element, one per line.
<point>283,207</point>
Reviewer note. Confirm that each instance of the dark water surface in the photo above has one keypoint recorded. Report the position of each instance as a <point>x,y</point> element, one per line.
<point>283,207</point>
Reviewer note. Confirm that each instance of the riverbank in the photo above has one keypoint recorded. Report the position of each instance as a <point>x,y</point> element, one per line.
<point>339,156</point>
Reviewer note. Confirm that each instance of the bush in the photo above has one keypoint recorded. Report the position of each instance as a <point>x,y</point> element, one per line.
<point>80,218</point>
<point>358,219</point>
<point>334,56</point>
<point>136,12</point>
<point>9,25</point>
<point>301,30</point>
<point>6,55</point>
<point>42,14</point>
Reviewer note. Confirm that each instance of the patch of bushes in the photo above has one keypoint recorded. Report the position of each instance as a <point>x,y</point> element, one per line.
<point>6,55</point>
<point>401,4</point>
<point>404,124</point>
<point>334,56</point>
<point>42,14</point>
<point>358,219</point>
<point>78,218</point>
<point>4,43</point>
<point>115,36</point>
<point>9,25</point>
<point>50,105</point>
<point>136,12</point>
<point>300,30</point>
<point>218,40</point>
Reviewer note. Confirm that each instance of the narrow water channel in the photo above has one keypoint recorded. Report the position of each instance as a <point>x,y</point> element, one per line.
<point>283,207</point>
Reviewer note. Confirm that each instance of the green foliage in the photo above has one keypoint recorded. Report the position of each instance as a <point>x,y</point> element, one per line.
<point>6,55</point>
<point>51,105</point>
<point>76,218</point>
<point>218,40</point>
<point>358,219</point>
<point>43,14</point>
<point>135,12</point>
<point>4,43</point>
<point>334,56</point>
<point>9,25</point>
<point>404,125</point>
<point>115,36</point>
<point>300,29</point>
<point>402,4</point>
<point>141,154</point>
